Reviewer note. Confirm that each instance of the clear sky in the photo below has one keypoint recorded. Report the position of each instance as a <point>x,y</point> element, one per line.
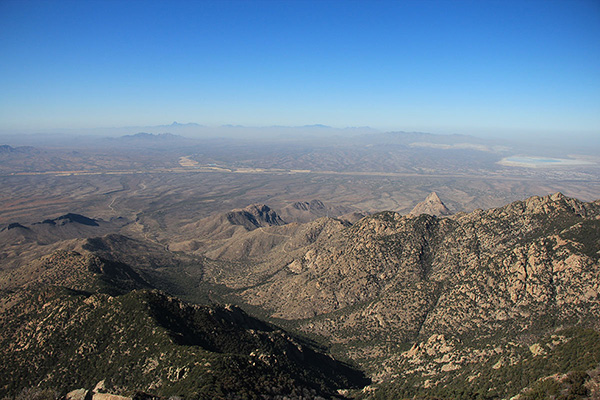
<point>477,67</point>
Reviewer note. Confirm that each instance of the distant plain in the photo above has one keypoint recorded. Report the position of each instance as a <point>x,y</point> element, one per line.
<point>171,180</point>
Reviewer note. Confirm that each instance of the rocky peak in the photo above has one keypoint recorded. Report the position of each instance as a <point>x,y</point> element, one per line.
<point>14,225</point>
<point>254,216</point>
<point>432,205</point>
<point>550,204</point>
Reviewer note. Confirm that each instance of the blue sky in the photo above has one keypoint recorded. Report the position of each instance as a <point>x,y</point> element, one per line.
<point>476,67</point>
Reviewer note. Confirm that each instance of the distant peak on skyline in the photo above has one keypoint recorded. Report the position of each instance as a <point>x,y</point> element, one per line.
<point>316,126</point>
<point>151,136</point>
<point>176,124</point>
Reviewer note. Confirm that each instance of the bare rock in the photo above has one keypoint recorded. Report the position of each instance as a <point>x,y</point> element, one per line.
<point>432,205</point>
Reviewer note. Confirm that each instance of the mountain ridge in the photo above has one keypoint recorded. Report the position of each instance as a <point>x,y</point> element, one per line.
<point>426,305</point>
<point>514,270</point>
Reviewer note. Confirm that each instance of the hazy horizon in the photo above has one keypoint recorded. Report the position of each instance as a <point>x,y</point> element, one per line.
<point>488,69</point>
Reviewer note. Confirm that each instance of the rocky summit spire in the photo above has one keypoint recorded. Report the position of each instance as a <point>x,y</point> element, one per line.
<point>432,205</point>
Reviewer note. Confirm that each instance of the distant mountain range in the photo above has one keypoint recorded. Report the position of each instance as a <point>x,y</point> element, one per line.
<point>148,137</point>
<point>177,124</point>
<point>189,130</point>
<point>539,144</point>
<point>6,149</point>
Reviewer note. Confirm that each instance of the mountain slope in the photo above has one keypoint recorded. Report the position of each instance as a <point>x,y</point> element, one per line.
<point>235,222</point>
<point>23,243</point>
<point>488,304</point>
<point>517,246</point>
<point>459,283</point>
<point>306,211</point>
<point>257,230</point>
<point>79,320</point>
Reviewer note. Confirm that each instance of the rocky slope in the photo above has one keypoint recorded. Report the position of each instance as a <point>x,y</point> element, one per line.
<point>534,254</point>
<point>459,283</point>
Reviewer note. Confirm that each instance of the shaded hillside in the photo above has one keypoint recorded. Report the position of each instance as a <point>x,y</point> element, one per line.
<point>81,272</point>
<point>21,243</point>
<point>77,323</point>
<point>178,273</point>
<point>67,226</point>
<point>141,253</point>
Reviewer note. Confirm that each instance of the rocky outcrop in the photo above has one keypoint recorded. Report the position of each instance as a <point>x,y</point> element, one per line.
<point>96,394</point>
<point>254,216</point>
<point>309,205</point>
